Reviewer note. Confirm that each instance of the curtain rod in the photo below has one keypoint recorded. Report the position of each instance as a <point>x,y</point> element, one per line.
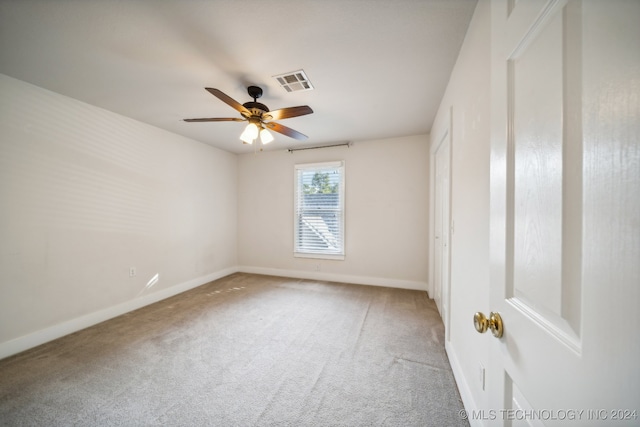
<point>291,150</point>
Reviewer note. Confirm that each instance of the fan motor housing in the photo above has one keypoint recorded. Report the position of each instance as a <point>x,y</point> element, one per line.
<point>252,104</point>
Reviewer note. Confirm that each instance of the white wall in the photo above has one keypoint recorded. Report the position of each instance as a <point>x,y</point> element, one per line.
<point>467,101</point>
<point>386,209</point>
<point>86,194</point>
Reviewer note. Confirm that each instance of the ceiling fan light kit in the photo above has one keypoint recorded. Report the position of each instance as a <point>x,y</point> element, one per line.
<point>258,116</point>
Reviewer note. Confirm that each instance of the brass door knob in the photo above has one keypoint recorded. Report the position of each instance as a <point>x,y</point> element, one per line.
<point>494,322</point>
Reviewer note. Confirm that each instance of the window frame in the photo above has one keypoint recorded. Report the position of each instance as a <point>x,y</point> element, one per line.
<point>339,164</point>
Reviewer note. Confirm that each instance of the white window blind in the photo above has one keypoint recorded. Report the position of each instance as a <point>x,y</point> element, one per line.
<point>319,210</point>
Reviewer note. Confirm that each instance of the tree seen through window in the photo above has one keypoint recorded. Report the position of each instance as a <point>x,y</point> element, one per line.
<point>320,184</point>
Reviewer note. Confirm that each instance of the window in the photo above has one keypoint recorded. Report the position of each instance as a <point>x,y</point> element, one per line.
<point>319,210</point>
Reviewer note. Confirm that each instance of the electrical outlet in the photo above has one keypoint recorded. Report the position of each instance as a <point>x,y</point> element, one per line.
<point>132,272</point>
<point>481,375</point>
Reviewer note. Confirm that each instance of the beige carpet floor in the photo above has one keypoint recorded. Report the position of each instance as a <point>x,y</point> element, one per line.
<point>245,350</point>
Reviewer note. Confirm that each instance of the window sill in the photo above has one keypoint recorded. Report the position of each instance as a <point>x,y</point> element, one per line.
<point>338,257</point>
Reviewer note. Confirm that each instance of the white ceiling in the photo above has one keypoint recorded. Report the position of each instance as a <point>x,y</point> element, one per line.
<point>379,67</point>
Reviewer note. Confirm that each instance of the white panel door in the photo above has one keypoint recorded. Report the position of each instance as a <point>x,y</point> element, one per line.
<point>565,213</point>
<point>442,227</point>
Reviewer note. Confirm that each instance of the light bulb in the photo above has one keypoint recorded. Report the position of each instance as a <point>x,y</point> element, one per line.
<point>245,138</point>
<point>265,136</point>
<point>252,130</point>
<point>250,133</point>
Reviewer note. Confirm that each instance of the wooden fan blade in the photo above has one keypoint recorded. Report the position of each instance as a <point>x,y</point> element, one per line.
<point>285,113</point>
<point>277,127</point>
<point>227,100</point>
<point>227,119</point>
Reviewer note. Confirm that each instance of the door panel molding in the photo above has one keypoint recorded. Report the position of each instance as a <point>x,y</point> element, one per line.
<point>544,182</point>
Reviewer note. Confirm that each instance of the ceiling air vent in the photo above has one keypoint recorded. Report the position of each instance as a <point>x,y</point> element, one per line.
<point>294,81</point>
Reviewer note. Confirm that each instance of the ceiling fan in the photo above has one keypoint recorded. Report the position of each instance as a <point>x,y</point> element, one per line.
<point>258,116</point>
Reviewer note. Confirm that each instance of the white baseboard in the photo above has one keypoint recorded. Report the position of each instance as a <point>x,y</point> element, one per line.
<point>463,386</point>
<point>42,336</point>
<point>332,277</point>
